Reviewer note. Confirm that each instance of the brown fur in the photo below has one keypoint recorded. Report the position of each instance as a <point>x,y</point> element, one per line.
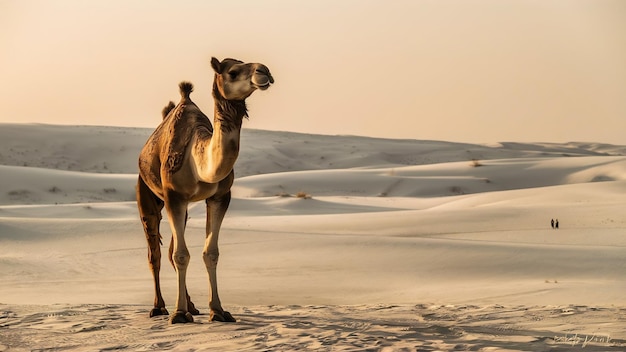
<point>230,112</point>
<point>183,162</point>
<point>166,110</point>
<point>179,125</point>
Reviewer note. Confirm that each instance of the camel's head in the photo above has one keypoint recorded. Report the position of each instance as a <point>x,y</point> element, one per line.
<point>236,80</point>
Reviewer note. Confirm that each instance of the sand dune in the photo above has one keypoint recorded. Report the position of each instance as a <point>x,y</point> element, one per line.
<point>331,243</point>
<point>317,328</point>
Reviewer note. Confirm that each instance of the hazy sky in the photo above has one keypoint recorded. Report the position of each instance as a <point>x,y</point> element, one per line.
<point>470,71</point>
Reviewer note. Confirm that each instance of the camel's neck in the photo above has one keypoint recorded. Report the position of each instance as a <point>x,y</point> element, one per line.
<point>218,155</point>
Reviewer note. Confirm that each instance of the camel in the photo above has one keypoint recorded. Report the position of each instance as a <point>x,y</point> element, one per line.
<point>186,159</point>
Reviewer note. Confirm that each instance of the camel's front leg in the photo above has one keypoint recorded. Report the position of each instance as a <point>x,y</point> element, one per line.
<point>177,210</point>
<point>216,209</point>
<point>190,306</point>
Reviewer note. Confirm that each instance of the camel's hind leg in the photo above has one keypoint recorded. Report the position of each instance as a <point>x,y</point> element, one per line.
<point>150,207</point>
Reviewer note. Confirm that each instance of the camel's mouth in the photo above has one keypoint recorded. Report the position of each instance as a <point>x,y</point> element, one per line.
<point>262,78</point>
<point>262,81</point>
<point>263,86</point>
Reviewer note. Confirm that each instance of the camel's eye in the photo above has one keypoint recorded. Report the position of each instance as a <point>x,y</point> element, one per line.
<point>233,74</point>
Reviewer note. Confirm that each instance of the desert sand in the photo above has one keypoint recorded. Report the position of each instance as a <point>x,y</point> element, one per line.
<point>331,243</point>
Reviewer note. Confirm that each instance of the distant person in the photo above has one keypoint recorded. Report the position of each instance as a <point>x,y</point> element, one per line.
<point>552,223</point>
<point>556,224</point>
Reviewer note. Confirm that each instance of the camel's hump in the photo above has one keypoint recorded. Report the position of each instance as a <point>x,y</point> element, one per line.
<point>184,122</point>
<point>185,89</point>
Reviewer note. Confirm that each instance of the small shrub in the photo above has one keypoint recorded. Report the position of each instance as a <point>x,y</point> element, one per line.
<point>456,190</point>
<point>476,163</point>
<point>54,189</point>
<point>109,190</point>
<point>19,193</point>
<point>303,195</point>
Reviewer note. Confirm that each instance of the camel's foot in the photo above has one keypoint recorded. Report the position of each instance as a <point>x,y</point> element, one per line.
<point>156,311</point>
<point>181,318</point>
<point>222,316</point>
<point>192,308</point>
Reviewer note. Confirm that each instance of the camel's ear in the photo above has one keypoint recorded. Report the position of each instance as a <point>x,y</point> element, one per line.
<point>217,67</point>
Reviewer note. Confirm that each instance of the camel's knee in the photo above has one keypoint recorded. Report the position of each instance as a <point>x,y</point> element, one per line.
<point>181,258</point>
<point>210,259</point>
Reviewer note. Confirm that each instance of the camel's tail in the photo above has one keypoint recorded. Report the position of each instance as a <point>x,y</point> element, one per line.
<point>185,89</point>
<point>167,109</point>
